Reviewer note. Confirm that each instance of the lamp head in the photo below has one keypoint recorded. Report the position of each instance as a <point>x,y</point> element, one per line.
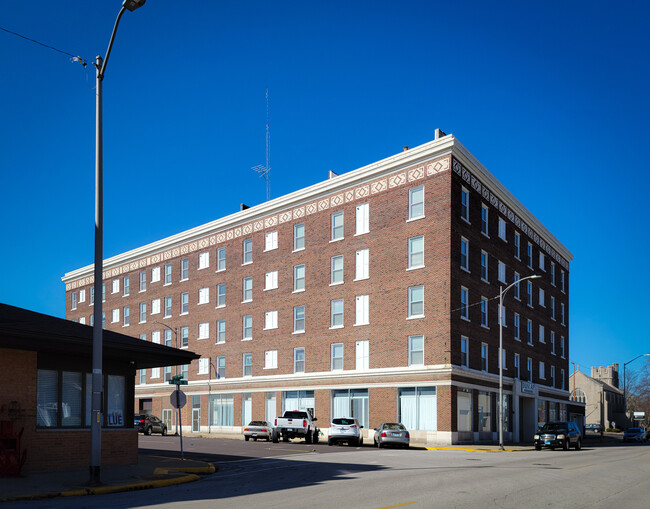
<point>132,5</point>
<point>536,276</point>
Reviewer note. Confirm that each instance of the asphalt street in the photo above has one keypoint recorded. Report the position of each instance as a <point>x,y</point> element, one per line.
<point>258,474</point>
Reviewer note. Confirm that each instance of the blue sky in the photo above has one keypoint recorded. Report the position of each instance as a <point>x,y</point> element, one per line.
<point>552,97</point>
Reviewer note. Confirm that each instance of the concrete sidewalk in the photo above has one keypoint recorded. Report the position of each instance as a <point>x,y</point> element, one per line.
<point>152,471</point>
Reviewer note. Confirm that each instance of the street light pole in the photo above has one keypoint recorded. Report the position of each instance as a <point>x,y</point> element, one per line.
<point>175,331</point>
<point>98,339</point>
<point>502,292</point>
<point>216,374</point>
<point>625,385</point>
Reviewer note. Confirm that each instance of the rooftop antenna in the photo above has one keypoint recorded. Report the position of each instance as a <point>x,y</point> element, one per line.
<point>265,171</point>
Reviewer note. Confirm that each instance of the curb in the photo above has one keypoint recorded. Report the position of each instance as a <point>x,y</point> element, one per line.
<point>469,449</point>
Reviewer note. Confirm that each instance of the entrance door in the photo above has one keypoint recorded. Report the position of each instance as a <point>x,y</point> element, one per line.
<point>527,419</point>
<point>168,418</point>
<point>196,420</point>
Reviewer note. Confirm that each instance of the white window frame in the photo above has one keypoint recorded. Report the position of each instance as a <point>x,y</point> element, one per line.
<point>485,220</point>
<point>337,231</point>
<point>168,274</point>
<point>185,269</point>
<point>464,343</point>
<point>116,286</point>
<point>484,313</point>
<point>247,335</point>
<point>270,240</point>
<point>204,366</point>
<point>502,229</point>
<point>143,282</point>
<point>271,359</point>
<point>335,313</point>
<point>115,315</point>
<point>221,259</point>
<point>204,260</point>
<point>484,358</point>
<point>529,368</point>
<point>517,288</point>
<point>333,358</point>
<point>464,204</point>
<point>541,297</point>
<point>553,273</point>
<point>336,273</point>
<point>502,271</point>
<point>517,243</point>
<point>485,264</point>
<point>204,330</point>
<point>517,366</point>
<point>185,303</point>
<point>297,286</point>
<point>155,306</point>
<point>270,320</point>
<point>464,256</point>
<point>517,326</point>
<point>542,370</point>
<point>529,255</point>
<point>271,280</point>
<point>412,302</point>
<point>542,261</point>
<point>247,366</point>
<point>362,264</point>
<point>221,331</point>
<point>542,333</point>
<point>529,331</point>
<point>412,350</point>
<point>204,295</point>
<point>296,360</point>
<point>298,327</point>
<point>412,253</point>
<point>247,292</point>
<point>155,274</point>
<point>362,355</point>
<point>551,335</point>
<point>298,238</point>
<point>464,304</point>
<point>362,219</point>
<point>247,251</point>
<point>362,314</point>
<point>221,296</point>
<point>413,215</point>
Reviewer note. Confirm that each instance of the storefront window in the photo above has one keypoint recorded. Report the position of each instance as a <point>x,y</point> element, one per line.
<point>223,410</point>
<point>298,400</point>
<point>562,412</point>
<point>351,403</point>
<point>464,409</point>
<point>484,411</point>
<point>418,408</point>
<point>47,406</point>
<point>115,401</point>
<point>541,413</point>
<point>552,412</point>
<point>71,391</point>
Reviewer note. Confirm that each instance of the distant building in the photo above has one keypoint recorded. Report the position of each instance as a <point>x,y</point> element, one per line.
<point>373,294</point>
<point>601,395</point>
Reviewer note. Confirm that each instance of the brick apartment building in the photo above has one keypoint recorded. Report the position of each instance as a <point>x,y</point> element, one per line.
<point>371,294</point>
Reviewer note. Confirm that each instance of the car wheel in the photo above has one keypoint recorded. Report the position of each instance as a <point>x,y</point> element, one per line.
<point>254,439</point>
<point>538,447</point>
<point>308,437</point>
<point>578,445</point>
<point>274,438</point>
<point>164,431</point>
<point>329,442</point>
<point>375,443</point>
<point>360,441</point>
<point>246,437</point>
<point>315,439</point>
<point>148,431</point>
<point>565,445</point>
<point>380,445</point>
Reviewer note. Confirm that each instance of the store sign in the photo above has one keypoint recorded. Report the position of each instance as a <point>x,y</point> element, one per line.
<point>639,415</point>
<point>527,387</point>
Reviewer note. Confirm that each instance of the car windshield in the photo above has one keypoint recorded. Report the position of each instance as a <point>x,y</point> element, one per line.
<point>257,423</point>
<point>295,415</point>
<point>554,426</point>
<point>394,426</point>
<point>343,422</point>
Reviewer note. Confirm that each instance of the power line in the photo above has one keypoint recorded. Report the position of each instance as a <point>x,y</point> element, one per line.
<point>75,58</point>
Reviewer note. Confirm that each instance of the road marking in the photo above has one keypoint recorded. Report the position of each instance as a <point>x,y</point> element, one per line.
<point>581,466</point>
<point>396,505</point>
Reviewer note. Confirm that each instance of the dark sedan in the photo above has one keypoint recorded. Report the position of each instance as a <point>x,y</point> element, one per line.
<point>392,433</point>
<point>149,424</point>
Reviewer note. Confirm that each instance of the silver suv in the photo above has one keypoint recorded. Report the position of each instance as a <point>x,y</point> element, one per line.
<point>345,429</point>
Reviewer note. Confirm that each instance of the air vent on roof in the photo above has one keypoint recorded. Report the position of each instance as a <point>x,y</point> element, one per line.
<point>332,175</point>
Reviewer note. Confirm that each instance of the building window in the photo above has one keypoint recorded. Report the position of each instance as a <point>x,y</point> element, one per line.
<point>484,266</point>
<point>562,313</point>
<point>418,408</point>
<point>529,287</point>
<point>221,295</point>
<point>416,301</point>
<point>350,403</point>
<point>103,292</point>
<point>125,316</point>
<point>517,326</point>
<point>464,303</point>
<point>464,253</point>
<point>155,274</point>
<point>516,288</point>
<point>82,320</point>
<point>221,331</point>
<point>185,336</point>
<point>271,359</point>
<point>336,313</point>
<point>363,219</point>
<point>336,269</point>
<point>529,331</point>
<point>92,295</point>
<point>221,367</point>
<point>416,252</point>
<point>298,278</point>
<point>529,368</point>
<point>562,379</point>
<point>553,273</point>
<point>502,229</point>
<point>168,273</point>
<point>271,320</point>
<point>248,251</point>
<point>299,319</point>
<point>115,289</point>
<point>168,307</point>
<point>143,337</point>
<point>416,202</point>
<point>362,310</point>
<point>562,346</point>
<point>221,258</point>
<point>185,368</point>
<point>74,300</point>
<point>542,375</point>
<point>337,356</point>
<point>484,411</point>
<point>552,336</point>
<point>562,281</point>
<point>143,376</point>
<point>103,320</point>
<point>504,364</point>
<point>337,225</point>
<point>247,289</point>
<point>204,330</point>
<point>484,312</point>
<point>552,308</point>
<point>204,260</point>
<point>416,350</point>
<point>168,337</point>
<point>464,414</point>
<point>248,364</point>
<point>271,241</point>
<point>362,270</point>
<point>185,269</point>
<point>362,355</point>
<point>464,204</point>
<point>204,366</point>
<point>82,293</point>
<point>541,297</point>
<point>271,280</point>
<point>529,254</point>
<point>115,316</point>
<point>485,214</point>
<point>126,287</point>
<point>185,303</point>
<point>298,236</point>
<point>542,261</point>
<point>143,312</point>
<point>464,353</point>
<point>502,271</point>
<point>298,360</point>
<point>517,245</point>
<point>517,368</point>
<point>204,295</point>
<point>247,327</point>
<point>484,357</point>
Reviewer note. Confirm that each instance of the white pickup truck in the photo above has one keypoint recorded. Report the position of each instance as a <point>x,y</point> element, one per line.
<point>295,424</point>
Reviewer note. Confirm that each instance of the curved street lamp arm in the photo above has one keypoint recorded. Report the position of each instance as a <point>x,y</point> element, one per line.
<point>165,325</point>
<point>534,276</point>
<point>642,355</point>
<point>100,74</point>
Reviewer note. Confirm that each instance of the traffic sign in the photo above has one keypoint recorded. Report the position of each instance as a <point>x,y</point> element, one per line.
<point>178,399</point>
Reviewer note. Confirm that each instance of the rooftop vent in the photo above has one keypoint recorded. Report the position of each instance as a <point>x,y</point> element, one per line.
<point>439,134</point>
<point>332,175</point>
<point>406,148</point>
<point>243,206</point>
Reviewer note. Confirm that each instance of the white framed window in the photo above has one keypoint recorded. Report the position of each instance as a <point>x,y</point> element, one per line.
<point>271,280</point>
<point>552,340</point>
<point>416,301</point>
<point>562,313</point>
<point>529,287</point>
<point>221,367</point>
<point>464,351</point>
<point>529,331</point>
<point>74,301</point>
<point>221,331</point>
<point>337,356</point>
<point>247,289</point>
<point>298,278</point>
<point>541,297</point>
<point>204,295</point>
<point>464,204</point>
<point>529,368</point>
<point>204,366</point>
<point>517,326</point>
<point>484,266</point>
<point>363,219</point>
<point>116,286</point>
<point>517,368</point>
<point>271,359</point>
<point>562,281</point>
<point>485,215</point>
<point>517,243</point>
<point>103,292</point>
<point>168,337</point>
<point>336,313</point>
<point>116,316</point>
<point>416,252</point>
<point>299,236</point>
<point>299,319</point>
<point>221,259</point>
<point>247,327</point>
<point>185,269</point>
<point>416,350</point>
<point>484,357</point>
<point>298,360</point>
<point>542,261</point>
<point>204,260</point>
<point>185,336</point>
<point>204,330</point>
<point>502,271</point>
<point>82,295</point>
<point>464,303</point>
<point>529,254</point>
<point>185,303</point>
<point>82,319</point>
<point>337,225</point>
<point>155,337</point>
<point>336,269</point>
<point>516,288</point>
<point>484,312</point>
<point>464,254</point>
<point>270,241</point>
<point>271,320</point>
<point>553,273</point>
<point>125,316</point>
<point>504,364</point>
<point>221,295</point>
<point>542,375</point>
<point>362,355</point>
<point>362,310</point>
<point>542,338</point>
<point>143,281</point>
<point>416,202</point>
<point>143,312</point>
<point>168,274</point>
<point>155,372</point>
<point>155,274</point>
<point>155,306</point>
<point>247,361</point>
<point>362,264</point>
<point>247,248</point>
<point>502,229</point>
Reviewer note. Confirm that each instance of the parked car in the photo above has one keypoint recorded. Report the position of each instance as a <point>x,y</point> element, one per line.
<point>634,435</point>
<point>258,429</point>
<point>392,433</point>
<point>596,428</point>
<point>149,424</point>
<point>345,429</point>
<point>295,424</point>
<point>562,434</point>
